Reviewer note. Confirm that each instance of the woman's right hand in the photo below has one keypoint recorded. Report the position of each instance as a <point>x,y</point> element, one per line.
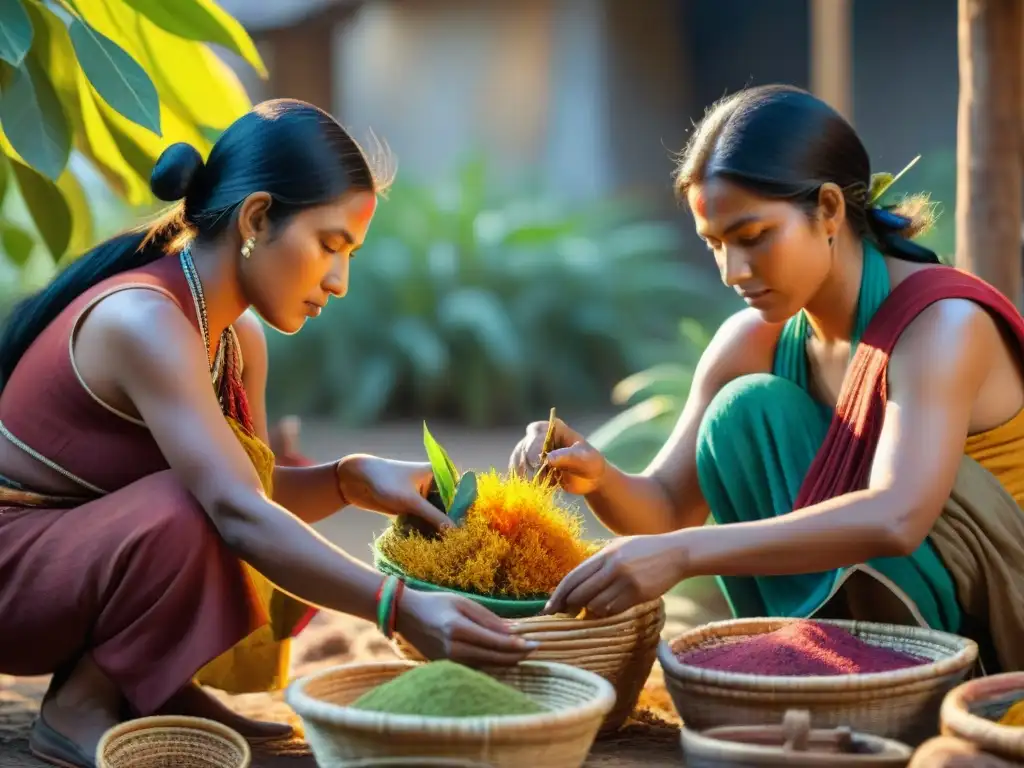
<point>443,626</point>
<point>580,465</point>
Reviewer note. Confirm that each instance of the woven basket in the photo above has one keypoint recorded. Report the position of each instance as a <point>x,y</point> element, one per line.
<point>184,742</point>
<point>794,743</point>
<point>971,712</point>
<point>902,704</point>
<point>621,649</point>
<point>338,733</point>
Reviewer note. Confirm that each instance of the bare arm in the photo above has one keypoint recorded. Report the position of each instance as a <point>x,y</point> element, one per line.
<point>936,372</point>
<point>310,493</point>
<point>666,495</point>
<point>159,363</point>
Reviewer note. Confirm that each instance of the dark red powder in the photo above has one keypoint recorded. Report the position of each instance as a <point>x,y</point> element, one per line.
<point>799,649</point>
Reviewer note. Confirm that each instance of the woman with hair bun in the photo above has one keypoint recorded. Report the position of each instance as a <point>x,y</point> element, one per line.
<point>148,542</point>
<point>856,433</point>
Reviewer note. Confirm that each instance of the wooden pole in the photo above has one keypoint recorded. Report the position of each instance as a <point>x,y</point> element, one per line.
<point>990,129</point>
<point>831,58</point>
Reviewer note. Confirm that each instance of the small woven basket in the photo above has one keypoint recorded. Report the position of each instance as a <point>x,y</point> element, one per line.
<point>902,704</point>
<point>561,738</point>
<point>971,712</point>
<point>621,649</point>
<point>182,742</point>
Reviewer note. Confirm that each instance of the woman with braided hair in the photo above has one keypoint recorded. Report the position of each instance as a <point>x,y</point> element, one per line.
<point>856,433</point>
<point>149,542</point>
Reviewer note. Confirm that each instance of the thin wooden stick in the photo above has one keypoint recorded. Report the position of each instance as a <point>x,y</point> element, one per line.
<point>549,444</point>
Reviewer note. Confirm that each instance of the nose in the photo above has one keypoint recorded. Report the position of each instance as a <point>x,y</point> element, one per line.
<point>336,280</point>
<point>735,267</point>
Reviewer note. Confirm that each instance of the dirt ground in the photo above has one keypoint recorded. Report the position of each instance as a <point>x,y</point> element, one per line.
<point>334,638</point>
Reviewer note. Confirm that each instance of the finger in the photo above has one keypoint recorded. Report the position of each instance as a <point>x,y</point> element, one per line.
<point>471,633</point>
<point>622,602</point>
<point>421,508</point>
<point>482,616</point>
<point>585,591</point>
<point>466,653</point>
<point>572,458</point>
<point>602,604</point>
<point>579,574</point>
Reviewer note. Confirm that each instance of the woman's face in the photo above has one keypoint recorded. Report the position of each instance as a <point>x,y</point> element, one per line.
<point>769,251</point>
<point>294,269</point>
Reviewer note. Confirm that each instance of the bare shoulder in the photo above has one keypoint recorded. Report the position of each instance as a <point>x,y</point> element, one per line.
<point>952,327</point>
<point>743,344</point>
<point>135,321</point>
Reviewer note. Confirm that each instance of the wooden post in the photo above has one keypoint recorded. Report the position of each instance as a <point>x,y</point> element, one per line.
<point>990,123</point>
<point>831,57</point>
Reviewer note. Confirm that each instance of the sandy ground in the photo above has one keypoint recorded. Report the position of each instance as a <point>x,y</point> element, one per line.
<point>334,639</point>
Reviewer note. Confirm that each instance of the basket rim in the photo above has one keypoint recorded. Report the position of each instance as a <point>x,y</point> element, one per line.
<point>964,655</point>
<point>955,711</point>
<point>377,722</point>
<point>384,564</point>
<point>707,738</point>
<point>130,728</point>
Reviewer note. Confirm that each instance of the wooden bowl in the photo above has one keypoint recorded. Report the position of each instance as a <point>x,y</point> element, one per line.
<point>578,701</point>
<point>971,712</point>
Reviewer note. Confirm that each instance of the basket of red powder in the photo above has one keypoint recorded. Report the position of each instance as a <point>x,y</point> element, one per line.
<point>882,679</point>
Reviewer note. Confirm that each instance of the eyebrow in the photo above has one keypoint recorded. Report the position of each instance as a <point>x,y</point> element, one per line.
<point>346,235</point>
<point>739,223</point>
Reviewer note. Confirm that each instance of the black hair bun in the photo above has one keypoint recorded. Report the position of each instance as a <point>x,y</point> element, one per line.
<point>175,172</point>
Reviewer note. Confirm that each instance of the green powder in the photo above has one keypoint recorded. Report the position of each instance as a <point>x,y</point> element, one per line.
<point>447,689</point>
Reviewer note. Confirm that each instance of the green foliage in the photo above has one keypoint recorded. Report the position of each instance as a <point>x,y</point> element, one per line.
<point>446,476</point>
<point>653,400</point>
<point>115,81</point>
<point>487,306</point>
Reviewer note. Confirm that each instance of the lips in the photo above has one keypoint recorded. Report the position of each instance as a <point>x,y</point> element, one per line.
<point>313,310</point>
<point>755,295</point>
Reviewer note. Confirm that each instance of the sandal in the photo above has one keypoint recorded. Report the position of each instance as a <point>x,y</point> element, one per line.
<point>56,749</point>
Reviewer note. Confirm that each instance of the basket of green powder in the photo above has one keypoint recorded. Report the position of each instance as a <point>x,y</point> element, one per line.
<point>532,713</point>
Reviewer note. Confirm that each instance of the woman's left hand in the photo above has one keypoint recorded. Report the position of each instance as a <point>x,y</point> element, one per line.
<point>628,571</point>
<point>390,487</point>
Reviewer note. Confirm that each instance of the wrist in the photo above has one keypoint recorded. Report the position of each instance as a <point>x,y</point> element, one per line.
<point>389,600</point>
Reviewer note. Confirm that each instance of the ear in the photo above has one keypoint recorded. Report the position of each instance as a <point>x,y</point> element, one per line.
<point>253,220</point>
<point>831,208</point>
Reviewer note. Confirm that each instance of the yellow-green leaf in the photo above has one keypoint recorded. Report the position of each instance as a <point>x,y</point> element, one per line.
<point>49,209</point>
<point>33,119</point>
<point>445,474</point>
<point>81,238</point>
<point>5,178</point>
<point>202,20</point>
<point>190,78</point>
<point>17,243</point>
<point>15,32</point>
<point>117,77</point>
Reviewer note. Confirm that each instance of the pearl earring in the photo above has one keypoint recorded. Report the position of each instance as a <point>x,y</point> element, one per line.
<point>248,246</point>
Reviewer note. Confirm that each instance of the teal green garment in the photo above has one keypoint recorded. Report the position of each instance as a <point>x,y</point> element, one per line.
<point>755,446</point>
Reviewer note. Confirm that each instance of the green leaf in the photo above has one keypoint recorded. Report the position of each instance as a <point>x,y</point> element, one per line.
<point>202,20</point>
<point>5,178</point>
<point>445,474</point>
<point>49,209</point>
<point>17,243</point>
<point>117,77</point>
<point>15,32</point>
<point>81,238</point>
<point>33,120</point>
<point>465,495</point>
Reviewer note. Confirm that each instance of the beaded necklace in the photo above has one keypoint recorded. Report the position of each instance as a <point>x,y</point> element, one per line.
<point>226,370</point>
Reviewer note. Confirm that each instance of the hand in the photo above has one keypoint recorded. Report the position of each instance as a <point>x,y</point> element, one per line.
<point>390,487</point>
<point>442,626</point>
<point>628,571</point>
<point>580,466</point>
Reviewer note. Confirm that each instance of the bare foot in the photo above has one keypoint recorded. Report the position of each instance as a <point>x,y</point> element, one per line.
<point>193,701</point>
<point>80,708</point>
